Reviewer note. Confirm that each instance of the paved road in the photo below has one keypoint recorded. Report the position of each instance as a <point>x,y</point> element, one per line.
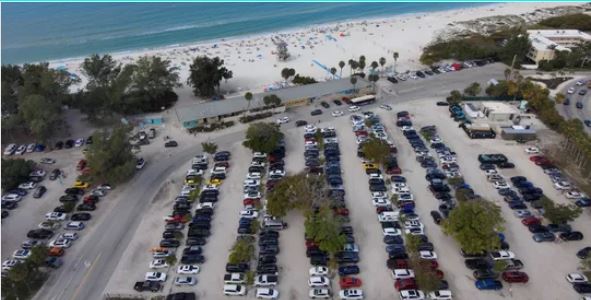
<point>571,111</point>
<point>94,260</point>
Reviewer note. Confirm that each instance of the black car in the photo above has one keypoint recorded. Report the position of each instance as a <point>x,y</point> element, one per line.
<point>59,145</point>
<point>337,102</point>
<point>199,232</point>
<point>477,263</point>
<point>40,234</point>
<point>86,207</point>
<point>54,174</point>
<point>169,243</point>
<point>269,233</point>
<point>300,123</point>
<point>267,259</point>
<point>442,103</point>
<point>5,214</point>
<point>237,268</point>
<point>571,236</point>
<point>316,112</point>
<point>192,259</point>
<point>324,104</point>
<point>18,191</point>
<point>39,191</point>
<point>582,288</point>
<point>9,205</point>
<point>81,217</point>
<point>579,105</point>
<point>319,260</point>
<point>69,144</point>
<point>74,191</point>
<point>506,165</point>
<point>537,228</point>
<point>392,79</point>
<point>195,241</point>
<point>171,144</point>
<point>436,217</point>
<point>393,240</point>
<point>485,274</point>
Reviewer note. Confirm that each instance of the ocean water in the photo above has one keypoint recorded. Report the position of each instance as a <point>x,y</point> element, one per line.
<point>34,32</point>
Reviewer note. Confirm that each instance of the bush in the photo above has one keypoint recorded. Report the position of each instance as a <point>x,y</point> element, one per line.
<point>250,118</point>
<point>303,80</point>
<point>15,172</point>
<point>212,127</point>
<point>572,21</point>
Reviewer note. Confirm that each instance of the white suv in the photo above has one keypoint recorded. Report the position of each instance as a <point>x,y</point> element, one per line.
<point>234,290</point>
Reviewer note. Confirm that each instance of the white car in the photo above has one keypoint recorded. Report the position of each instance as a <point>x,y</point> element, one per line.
<point>72,236</point>
<point>522,213</point>
<point>253,175</point>
<point>572,194</point>
<point>413,224</point>
<point>205,205</point>
<point>318,271</point>
<point>155,276</point>
<point>277,173</point>
<point>441,295</point>
<point>265,280</point>
<point>337,113</point>
<point>140,164</point>
<point>502,254</point>
<point>162,253</point>
<point>27,185</point>
<point>9,264</point>
<point>49,225</point>
<point>234,290</point>
<point>580,82</point>
<point>500,185</point>
<point>252,182</point>
<point>576,278</point>
<point>562,185</point>
<point>351,294</point>
<point>9,150</point>
<point>532,150</point>
<point>185,280</point>
<point>380,202</point>
<point>402,274</point>
<point>20,150</point>
<point>267,293</point>
<point>188,269</point>
<point>158,264</point>
<point>386,107</point>
<point>388,216</point>
<point>490,172</point>
<point>12,197</point>
<point>407,128</point>
<point>414,231</point>
<point>351,247</point>
<point>249,214</point>
<point>391,231</point>
<point>412,295</point>
<point>55,216</point>
<point>61,242</point>
<point>260,154</point>
<point>21,254</point>
<point>47,161</point>
<point>252,195</point>
<point>320,294</point>
<point>400,190</point>
<point>38,173</point>
<point>428,254</point>
<point>571,90</point>
<point>310,128</point>
<point>318,281</point>
<point>283,120</point>
<point>353,108</point>
<point>406,197</point>
<point>75,225</point>
<point>79,142</point>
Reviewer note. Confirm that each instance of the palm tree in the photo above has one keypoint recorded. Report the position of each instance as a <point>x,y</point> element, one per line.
<point>333,71</point>
<point>507,73</point>
<point>285,73</point>
<point>374,65</point>
<point>374,78</point>
<point>395,56</point>
<point>382,62</point>
<point>362,65</point>
<point>353,64</point>
<point>291,73</point>
<point>353,81</point>
<point>248,97</point>
<point>341,65</point>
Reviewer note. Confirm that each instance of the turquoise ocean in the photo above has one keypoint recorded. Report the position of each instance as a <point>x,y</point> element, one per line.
<point>34,32</point>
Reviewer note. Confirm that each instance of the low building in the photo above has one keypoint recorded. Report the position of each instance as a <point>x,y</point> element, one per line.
<point>499,111</point>
<point>518,133</point>
<point>191,116</point>
<point>546,42</point>
<point>472,111</point>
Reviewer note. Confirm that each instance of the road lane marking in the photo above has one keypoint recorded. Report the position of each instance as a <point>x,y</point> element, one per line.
<point>86,276</point>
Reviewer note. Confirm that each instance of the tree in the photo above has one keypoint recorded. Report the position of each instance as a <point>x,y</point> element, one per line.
<point>15,171</point>
<point>395,55</point>
<point>206,74</point>
<point>152,84</point>
<point>263,137</point>
<point>109,157</point>
<point>101,101</point>
<point>361,64</point>
<point>285,73</point>
<point>455,97</point>
<point>38,256</point>
<point>474,225</point>
<point>272,100</point>
<point>473,89</point>
<point>376,150</point>
<point>516,46</point>
<point>559,98</point>
<point>341,66</point>
<point>170,259</point>
<point>209,147</point>
<point>241,252</point>
<point>333,71</point>
<point>412,245</point>
<point>353,81</point>
<point>295,191</point>
<point>426,278</point>
<point>373,78</point>
<point>100,70</point>
<point>374,65</point>
<point>248,98</point>
<point>20,274</point>
<point>560,213</point>
<point>382,62</point>
<point>325,229</point>
<point>12,79</point>
<point>354,65</point>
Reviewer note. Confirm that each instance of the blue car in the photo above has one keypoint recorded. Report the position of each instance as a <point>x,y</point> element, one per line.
<point>348,270</point>
<point>488,284</point>
<point>583,202</point>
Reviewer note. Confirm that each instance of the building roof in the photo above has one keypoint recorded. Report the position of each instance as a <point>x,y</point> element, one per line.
<point>551,38</point>
<point>236,104</point>
<point>511,130</point>
<point>500,107</point>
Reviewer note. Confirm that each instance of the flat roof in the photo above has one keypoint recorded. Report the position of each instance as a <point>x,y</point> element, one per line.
<point>235,104</point>
<point>500,107</point>
<point>510,130</point>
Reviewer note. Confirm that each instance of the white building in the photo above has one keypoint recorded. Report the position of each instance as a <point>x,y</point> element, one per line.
<point>499,111</point>
<point>545,42</point>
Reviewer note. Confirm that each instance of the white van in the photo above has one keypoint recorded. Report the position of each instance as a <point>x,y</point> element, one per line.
<point>272,224</point>
<point>234,290</point>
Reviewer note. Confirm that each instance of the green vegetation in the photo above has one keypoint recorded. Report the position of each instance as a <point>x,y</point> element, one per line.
<point>560,213</point>
<point>287,72</point>
<point>295,191</point>
<point>171,259</point>
<point>455,97</point>
<point>15,172</point>
<point>32,97</point>
<point>263,137</point>
<point>376,150</point>
<point>241,252</point>
<point>109,156</point>
<point>473,89</point>
<point>324,228</point>
<point>272,100</point>
<point>572,21</point>
<point>426,278</point>
<point>474,225</point>
<point>26,278</point>
<point>209,147</point>
<point>206,75</point>
<point>577,58</point>
<point>503,45</point>
<point>303,80</point>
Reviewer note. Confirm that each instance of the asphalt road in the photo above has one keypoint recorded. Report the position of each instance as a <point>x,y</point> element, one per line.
<point>571,111</point>
<point>92,261</point>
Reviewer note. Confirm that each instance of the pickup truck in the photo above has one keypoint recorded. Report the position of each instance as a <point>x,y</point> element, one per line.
<point>234,278</point>
<point>513,264</point>
<point>152,286</point>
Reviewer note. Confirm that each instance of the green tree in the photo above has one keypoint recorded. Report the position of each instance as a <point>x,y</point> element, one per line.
<point>12,80</point>
<point>395,55</point>
<point>20,274</point>
<point>373,78</point>
<point>38,256</point>
<point>295,191</point>
<point>263,137</point>
<point>560,213</point>
<point>353,82</point>
<point>209,147</point>
<point>248,97</point>
<point>272,100</point>
<point>382,62</point>
<point>15,171</point>
<point>109,156</point>
<point>473,89</point>
<point>376,150</point>
<point>341,66</point>
<point>41,115</point>
<point>170,260</point>
<point>374,65</point>
<point>559,98</point>
<point>101,101</point>
<point>474,225</point>
<point>325,229</point>
<point>353,64</point>
<point>412,245</point>
<point>455,97</point>
<point>152,84</point>
<point>578,21</point>
<point>242,251</point>
<point>100,71</point>
<point>426,278</point>
<point>333,71</point>
<point>206,74</point>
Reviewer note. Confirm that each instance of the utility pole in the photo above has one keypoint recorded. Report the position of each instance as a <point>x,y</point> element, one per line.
<point>513,64</point>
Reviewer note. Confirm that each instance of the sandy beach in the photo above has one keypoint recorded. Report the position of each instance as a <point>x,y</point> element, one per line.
<point>312,48</point>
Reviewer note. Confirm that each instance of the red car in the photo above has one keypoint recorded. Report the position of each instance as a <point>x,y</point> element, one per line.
<point>439,273</point>
<point>361,133</point>
<point>81,165</point>
<point>341,211</point>
<point>393,171</point>
<point>397,264</point>
<point>251,201</point>
<point>350,282</point>
<point>405,284</point>
<point>530,221</point>
<point>536,158</point>
<point>515,277</point>
<point>90,199</point>
<point>311,244</point>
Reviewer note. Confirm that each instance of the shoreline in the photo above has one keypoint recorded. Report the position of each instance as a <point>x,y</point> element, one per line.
<point>317,47</point>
